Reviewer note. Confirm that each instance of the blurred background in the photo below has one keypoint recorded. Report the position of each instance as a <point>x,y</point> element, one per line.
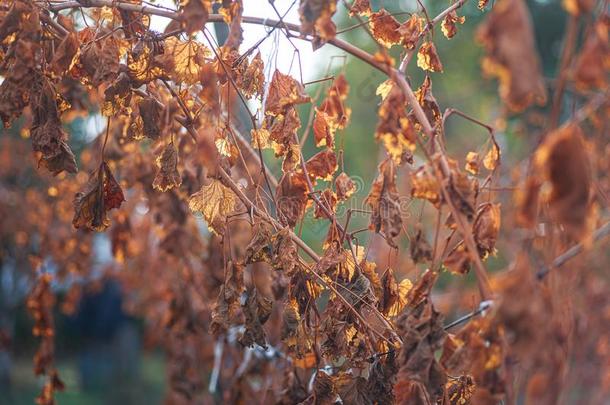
<point>101,352</point>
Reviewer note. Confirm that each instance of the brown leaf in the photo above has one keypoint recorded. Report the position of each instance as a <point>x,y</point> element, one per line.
<point>420,378</point>
<point>384,28</point>
<point>284,92</point>
<point>592,65</point>
<point>214,201</point>
<point>565,160</point>
<point>361,7</point>
<point>428,59</point>
<point>344,186</point>
<point>65,55</point>
<point>410,31</point>
<point>150,111</point>
<point>420,249</point>
<point>167,176</point>
<point>257,310</point>
<point>385,204</point>
<point>316,18</point>
<point>458,259</point>
<point>48,137</point>
<point>448,25</point>
<point>486,227</point>
<point>291,197</point>
<point>252,81</point>
<point>194,14</point>
<point>508,38</point>
<point>101,194</point>
<point>322,165</point>
<point>394,128</point>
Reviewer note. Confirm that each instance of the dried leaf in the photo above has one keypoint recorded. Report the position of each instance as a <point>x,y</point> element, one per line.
<point>167,176</point>
<point>344,186</point>
<point>257,310</point>
<point>394,128</point>
<point>486,227</point>
<point>508,38</point>
<point>565,160</point>
<point>101,194</point>
<point>284,91</point>
<point>427,58</point>
<point>384,28</point>
<point>214,201</point>
<point>448,25</point>
<point>385,204</point>
<point>291,197</point>
<point>322,165</point>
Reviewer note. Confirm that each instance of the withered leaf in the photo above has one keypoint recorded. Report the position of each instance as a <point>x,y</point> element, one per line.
<point>150,111</point>
<point>385,204</point>
<point>256,309</point>
<point>65,54</point>
<point>428,59</point>
<point>332,114</point>
<point>344,186</point>
<point>291,197</point>
<point>419,247</point>
<point>361,7</point>
<point>384,28</point>
<point>592,65</point>
<point>448,25</point>
<point>394,128</point>
<point>508,38</point>
<point>260,247</point>
<point>194,14</point>
<point>486,227</point>
<point>410,31</point>
<point>101,194</point>
<point>565,161</point>
<point>252,81</point>
<point>316,18</point>
<point>284,91</point>
<point>48,137</point>
<point>214,201</point>
<point>167,176</point>
<point>322,165</point>
<point>420,378</point>
<point>458,259</point>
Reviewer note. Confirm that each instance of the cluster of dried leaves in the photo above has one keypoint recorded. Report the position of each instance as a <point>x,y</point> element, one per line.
<point>250,303</point>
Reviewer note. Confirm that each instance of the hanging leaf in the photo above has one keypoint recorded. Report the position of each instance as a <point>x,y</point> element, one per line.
<point>214,201</point>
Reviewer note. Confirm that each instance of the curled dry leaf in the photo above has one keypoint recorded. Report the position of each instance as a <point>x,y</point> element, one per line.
<point>361,7</point>
<point>194,14</point>
<point>410,31</point>
<point>385,204</point>
<point>214,201</point>
<point>316,18</point>
<point>394,295</point>
<point>150,112</point>
<point>384,28</point>
<point>458,259</point>
<point>592,65</point>
<point>472,163</point>
<point>291,197</point>
<point>565,162</point>
<point>65,55</point>
<point>428,103</point>
<point>508,38</point>
<point>344,186</point>
<point>101,194</point>
<point>257,309</point>
<point>322,165</point>
<point>420,249</point>
<point>448,26</point>
<point>332,114</point>
<point>167,176</point>
<point>394,128</point>
<point>48,137</point>
<point>459,390</point>
<point>252,81</point>
<point>428,59</point>
<point>421,379</point>
<point>486,227</point>
<point>284,92</point>
<point>424,184</point>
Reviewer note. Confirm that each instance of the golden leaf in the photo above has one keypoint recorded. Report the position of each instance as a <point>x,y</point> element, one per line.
<point>472,163</point>
<point>214,201</point>
<point>427,58</point>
